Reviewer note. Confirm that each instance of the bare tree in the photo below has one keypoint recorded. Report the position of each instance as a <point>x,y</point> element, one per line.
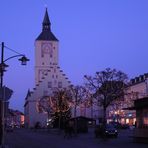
<point>44,105</point>
<point>56,105</point>
<point>61,103</point>
<point>78,95</point>
<point>107,86</point>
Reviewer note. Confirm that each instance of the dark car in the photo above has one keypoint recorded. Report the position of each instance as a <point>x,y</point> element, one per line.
<point>110,130</point>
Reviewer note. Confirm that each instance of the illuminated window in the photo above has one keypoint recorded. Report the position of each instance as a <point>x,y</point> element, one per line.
<point>145,121</point>
<point>145,117</point>
<point>127,121</point>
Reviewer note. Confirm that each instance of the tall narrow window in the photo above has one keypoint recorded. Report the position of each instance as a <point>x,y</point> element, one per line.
<point>45,93</point>
<point>49,84</point>
<point>59,84</point>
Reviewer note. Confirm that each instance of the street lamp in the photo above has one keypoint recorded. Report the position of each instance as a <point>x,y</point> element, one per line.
<point>3,67</point>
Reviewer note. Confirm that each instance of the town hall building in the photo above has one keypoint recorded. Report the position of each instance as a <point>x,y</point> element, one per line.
<point>48,74</point>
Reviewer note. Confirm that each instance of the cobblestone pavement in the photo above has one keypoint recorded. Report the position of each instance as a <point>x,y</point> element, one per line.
<point>25,138</point>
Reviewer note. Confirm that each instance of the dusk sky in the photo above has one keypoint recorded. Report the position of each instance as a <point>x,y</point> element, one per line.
<point>93,35</point>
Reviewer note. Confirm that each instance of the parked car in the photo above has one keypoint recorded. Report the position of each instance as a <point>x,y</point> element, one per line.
<point>110,130</point>
<point>124,126</point>
<point>116,124</point>
<point>105,131</point>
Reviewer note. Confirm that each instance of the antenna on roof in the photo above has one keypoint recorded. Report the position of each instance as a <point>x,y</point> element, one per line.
<point>45,4</point>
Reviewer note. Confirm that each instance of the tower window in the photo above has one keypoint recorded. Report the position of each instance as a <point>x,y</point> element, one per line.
<point>45,93</point>
<point>42,54</point>
<point>55,82</point>
<point>49,84</point>
<point>59,84</point>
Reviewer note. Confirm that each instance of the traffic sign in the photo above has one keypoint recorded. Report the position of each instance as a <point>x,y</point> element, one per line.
<point>5,93</point>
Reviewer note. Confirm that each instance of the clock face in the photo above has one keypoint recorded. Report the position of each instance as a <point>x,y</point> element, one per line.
<point>47,49</point>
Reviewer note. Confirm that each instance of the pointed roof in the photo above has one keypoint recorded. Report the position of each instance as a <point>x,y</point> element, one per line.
<point>46,33</point>
<point>46,18</point>
<point>28,94</point>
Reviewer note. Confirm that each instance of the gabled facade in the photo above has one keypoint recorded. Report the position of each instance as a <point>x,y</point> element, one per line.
<point>48,74</point>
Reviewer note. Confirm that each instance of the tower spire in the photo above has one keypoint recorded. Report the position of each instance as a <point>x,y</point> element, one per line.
<point>46,22</point>
<point>46,33</point>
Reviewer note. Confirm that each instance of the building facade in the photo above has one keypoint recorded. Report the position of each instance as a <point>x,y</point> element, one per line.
<point>14,118</point>
<point>137,89</point>
<point>48,75</point>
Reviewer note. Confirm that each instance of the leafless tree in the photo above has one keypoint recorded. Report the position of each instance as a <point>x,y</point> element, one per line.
<point>78,94</point>
<point>62,101</point>
<point>107,85</point>
<point>57,104</point>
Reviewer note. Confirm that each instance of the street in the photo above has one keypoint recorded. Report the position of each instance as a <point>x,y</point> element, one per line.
<point>26,138</point>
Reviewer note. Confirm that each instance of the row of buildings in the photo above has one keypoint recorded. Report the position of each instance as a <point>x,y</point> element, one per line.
<point>49,76</point>
<point>14,118</point>
<point>136,90</point>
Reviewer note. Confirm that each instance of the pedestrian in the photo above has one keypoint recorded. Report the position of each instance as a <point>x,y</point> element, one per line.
<point>37,126</point>
<point>71,128</point>
<point>66,130</point>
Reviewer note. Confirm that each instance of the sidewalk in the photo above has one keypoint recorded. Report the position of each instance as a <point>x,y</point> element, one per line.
<point>4,146</point>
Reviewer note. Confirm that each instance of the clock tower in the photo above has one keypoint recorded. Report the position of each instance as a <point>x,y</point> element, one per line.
<point>48,76</point>
<point>46,50</point>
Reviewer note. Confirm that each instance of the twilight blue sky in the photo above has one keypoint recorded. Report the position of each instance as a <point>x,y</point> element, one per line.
<point>93,35</point>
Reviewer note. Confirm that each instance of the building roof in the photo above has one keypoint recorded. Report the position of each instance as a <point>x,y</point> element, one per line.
<point>139,79</point>
<point>46,18</point>
<point>46,33</point>
<point>47,36</point>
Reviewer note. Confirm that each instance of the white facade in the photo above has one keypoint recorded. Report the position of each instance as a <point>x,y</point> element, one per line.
<point>46,56</point>
<point>137,89</point>
<point>48,74</point>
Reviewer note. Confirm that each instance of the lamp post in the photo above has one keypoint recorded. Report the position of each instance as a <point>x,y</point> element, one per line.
<point>23,60</point>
